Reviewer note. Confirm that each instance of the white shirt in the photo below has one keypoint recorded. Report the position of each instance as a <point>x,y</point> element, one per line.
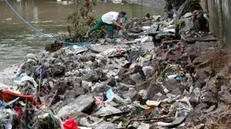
<point>109,17</point>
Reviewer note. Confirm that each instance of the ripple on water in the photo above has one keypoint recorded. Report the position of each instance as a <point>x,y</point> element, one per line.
<point>17,39</point>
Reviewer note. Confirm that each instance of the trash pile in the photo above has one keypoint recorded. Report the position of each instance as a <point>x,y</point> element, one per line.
<point>171,83</point>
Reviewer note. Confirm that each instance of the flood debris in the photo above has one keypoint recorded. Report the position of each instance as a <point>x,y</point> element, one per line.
<point>173,82</point>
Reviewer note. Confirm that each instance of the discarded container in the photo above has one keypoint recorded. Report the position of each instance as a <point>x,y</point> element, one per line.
<point>153,103</point>
<point>179,78</point>
<point>171,76</point>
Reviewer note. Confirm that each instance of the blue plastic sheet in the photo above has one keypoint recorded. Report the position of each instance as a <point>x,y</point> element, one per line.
<point>2,104</point>
<point>110,95</point>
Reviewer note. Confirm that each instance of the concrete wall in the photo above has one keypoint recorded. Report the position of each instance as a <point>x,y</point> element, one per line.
<point>220,20</point>
<point>153,3</point>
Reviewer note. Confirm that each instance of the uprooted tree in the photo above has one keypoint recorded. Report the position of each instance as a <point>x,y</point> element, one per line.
<point>80,21</point>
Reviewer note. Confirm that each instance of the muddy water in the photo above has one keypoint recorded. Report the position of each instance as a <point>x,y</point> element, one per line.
<point>219,13</point>
<point>17,39</point>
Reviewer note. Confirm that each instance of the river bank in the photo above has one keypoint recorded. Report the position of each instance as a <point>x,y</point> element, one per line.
<point>145,79</point>
<point>17,39</point>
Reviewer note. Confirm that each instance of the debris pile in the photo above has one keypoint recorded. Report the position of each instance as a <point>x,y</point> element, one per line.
<point>175,82</point>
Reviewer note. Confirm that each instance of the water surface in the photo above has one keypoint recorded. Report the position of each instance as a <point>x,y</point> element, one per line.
<point>17,39</point>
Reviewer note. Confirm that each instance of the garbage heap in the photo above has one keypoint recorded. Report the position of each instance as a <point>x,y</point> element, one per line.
<point>176,83</point>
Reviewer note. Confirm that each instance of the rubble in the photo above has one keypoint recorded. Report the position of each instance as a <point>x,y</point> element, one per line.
<point>175,82</point>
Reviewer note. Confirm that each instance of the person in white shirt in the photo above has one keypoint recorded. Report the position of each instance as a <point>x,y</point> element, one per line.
<point>111,20</point>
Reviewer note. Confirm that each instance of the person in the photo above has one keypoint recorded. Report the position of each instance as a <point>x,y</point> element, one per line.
<point>111,20</point>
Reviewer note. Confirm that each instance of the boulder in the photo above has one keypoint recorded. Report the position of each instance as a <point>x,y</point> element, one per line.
<point>105,125</point>
<point>94,75</point>
<point>108,110</point>
<point>81,105</point>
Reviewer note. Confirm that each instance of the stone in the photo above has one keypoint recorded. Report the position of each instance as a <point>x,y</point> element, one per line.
<point>70,94</point>
<point>210,109</point>
<point>108,110</point>
<point>195,95</point>
<point>128,81</point>
<point>80,105</point>
<point>147,23</point>
<point>112,82</point>
<point>57,70</point>
<point>144,126</point>
<point>135,30</point>
<point>105,125</point>
<point>87,58</point>
<point>148,70</point>
<point>224,94</point>
<point>207,96</point>
<point>121,73</point>
<point>100,88</point>
<point>136,78</point>
<point>153,90</point>
<point>94,75</point>
<point>135,124</point>
<point>131,93</point>
<point>84,122</point>
<point>86,85</point>
<point>143,94</point>
<point>177,91</point>
<point>200,107</point>
<point>135,69</point>
<point>122,88</point>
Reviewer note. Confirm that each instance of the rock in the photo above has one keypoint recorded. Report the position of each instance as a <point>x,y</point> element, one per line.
<point>143,94</point>
<point>195,95</point>
<point>148,70</point>
<point>87,58</point>
<point>147,23</point>
<point>208,96</point>
<point>135,69</point>
<point>128,81</point>
<point>153,90</point>
<point>94,75</point>
<point>86,85</point>
<point>108,110</point>
<point>135,124</point>
<point>70,94</point>
<point>84,122</point>
<point>82,104</point>
<point>105,125</point>
<point>144,126</point>
<point>131,93</point>
<point>121,73</point>
<point>57,70</point>
<point>100,88</point>
<point>200,107</point>
<point>224,94</point>
<point>210,109</point>
<point>112,82</point>
<point>135,30</point>
<point>177,91</point>
<point>136,78</point>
